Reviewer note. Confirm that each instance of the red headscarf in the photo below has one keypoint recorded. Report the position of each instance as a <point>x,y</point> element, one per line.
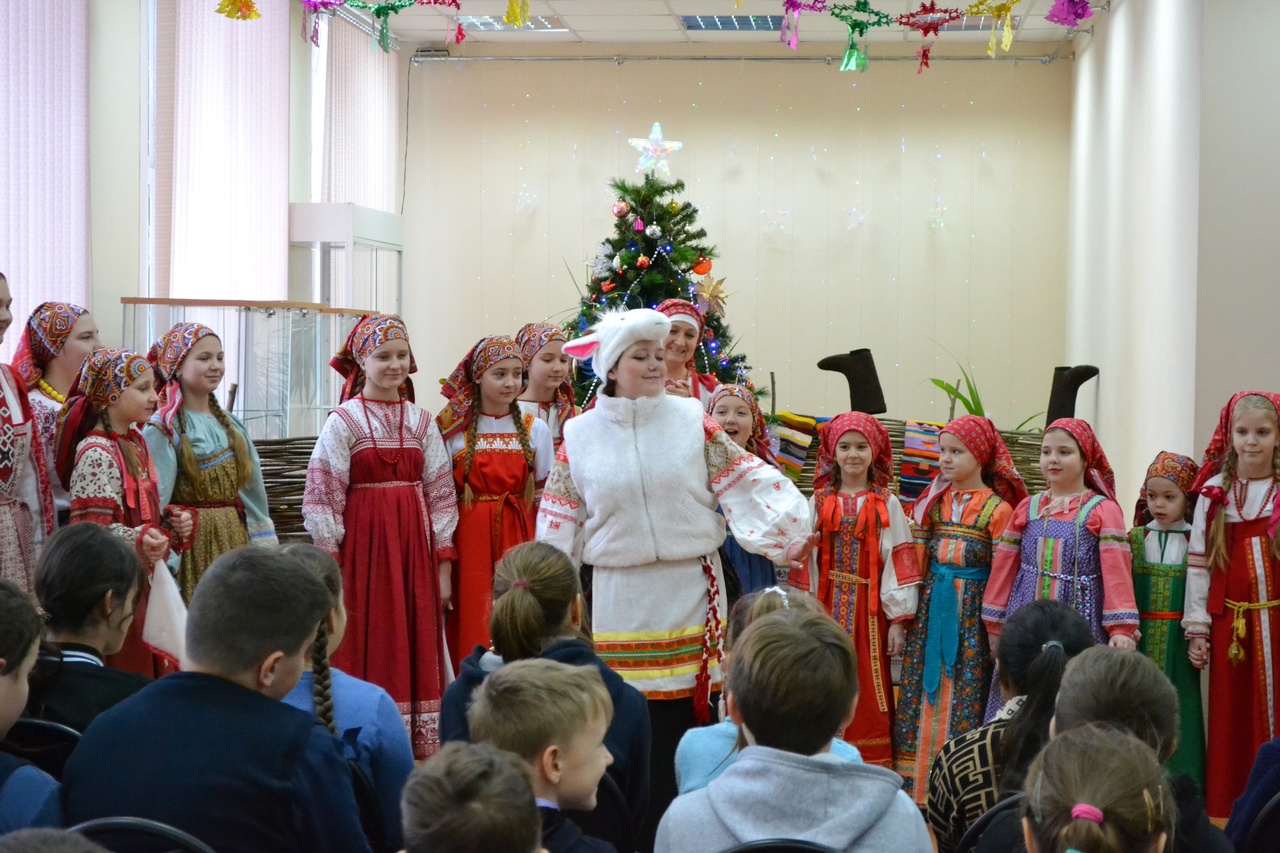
<point>1098,474</point>
<point>758,441</point>
<point>683,308</point>
<point>531,338</point>
<point>369,333</point>
<point>1179,470</point>
<point>982,438</point>
<point>1216,453</point>
<point>43,337</point>
<point>881,473</point>
<point>460,388</point>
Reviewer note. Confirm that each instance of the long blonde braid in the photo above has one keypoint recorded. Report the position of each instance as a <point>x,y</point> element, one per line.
<point>530,458</point>
<point>1218,552</point>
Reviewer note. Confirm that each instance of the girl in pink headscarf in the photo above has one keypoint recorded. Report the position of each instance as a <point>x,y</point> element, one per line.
<point>946,668</point>
<point>379,497</point>
<point>1068,543</point>
<point>865,572</point>
<point>1232,612</point>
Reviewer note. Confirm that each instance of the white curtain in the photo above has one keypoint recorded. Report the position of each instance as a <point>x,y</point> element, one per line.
<point>222,153</point>
<point>362,121</point>
<point>44,154</point>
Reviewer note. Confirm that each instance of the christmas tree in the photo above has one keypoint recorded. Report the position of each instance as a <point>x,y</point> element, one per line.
<point>658,252</point>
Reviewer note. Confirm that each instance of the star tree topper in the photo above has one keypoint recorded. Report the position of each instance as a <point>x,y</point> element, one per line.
<point>654,151</point>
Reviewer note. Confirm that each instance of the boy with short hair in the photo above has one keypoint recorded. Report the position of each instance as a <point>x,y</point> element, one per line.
<point>554,716</point>
<point>212,750</point>
<point>470,798</point>
<point>792,685</point>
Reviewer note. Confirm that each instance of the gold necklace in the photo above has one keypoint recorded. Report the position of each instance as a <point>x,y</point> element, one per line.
<point>50,391</point>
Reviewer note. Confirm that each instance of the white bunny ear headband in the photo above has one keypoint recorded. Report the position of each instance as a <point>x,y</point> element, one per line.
<point>616,331</point>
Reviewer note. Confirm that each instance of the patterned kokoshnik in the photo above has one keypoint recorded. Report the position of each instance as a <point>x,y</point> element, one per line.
<point>1073,545</point>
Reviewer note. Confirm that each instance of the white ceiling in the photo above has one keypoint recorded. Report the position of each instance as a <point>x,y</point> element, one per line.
<point>633,22</point>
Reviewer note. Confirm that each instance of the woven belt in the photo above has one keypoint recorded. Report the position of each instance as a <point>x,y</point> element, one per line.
<point>1240,626</point>
<point>390,484</point>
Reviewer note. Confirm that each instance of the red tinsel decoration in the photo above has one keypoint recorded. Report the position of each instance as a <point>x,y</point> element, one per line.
<point>929,19</point>
<point>923,53</point>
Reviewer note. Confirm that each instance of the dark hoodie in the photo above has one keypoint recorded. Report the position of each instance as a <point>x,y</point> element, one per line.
<point>628,738</point>
<point>561,835</point>
<point>1193,833</point>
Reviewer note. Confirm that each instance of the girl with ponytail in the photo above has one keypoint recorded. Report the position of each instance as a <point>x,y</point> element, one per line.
<point>501,457</point>
<point>204,459</point>
<point>362,715</point>
<point>379,498</point>
<point>538,612</point>
<point>1074,804</point>
<point>976,770</point>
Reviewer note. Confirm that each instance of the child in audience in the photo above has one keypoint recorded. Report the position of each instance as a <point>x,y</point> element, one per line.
<point>946,665</point>
<point>704,753</point>
<point>1263,785</point>
<point>793,683</point>
<point>28,795</point>
<point>734,407</point>
<point>55,341</point>
<point>362,715</point>
<point>548,387</point>
<point>538,613</point>
<point>1231,618</point>
<point>1074,804</point>
<point>501,457</point>
<point>471,798</point>
<point>554,716</point>
<point>1127,692</point>
<point>204,458</point>
<point>104,462</point>
<point>379,497</point>
<point>1162,528</point>
<point>88,581</point>
<point>1067,543</point>
<point>974,771</point>
<point>867,574</point>
<point>212,750</point>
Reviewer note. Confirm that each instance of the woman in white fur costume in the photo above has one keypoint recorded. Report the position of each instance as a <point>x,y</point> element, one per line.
<point>634,493</point>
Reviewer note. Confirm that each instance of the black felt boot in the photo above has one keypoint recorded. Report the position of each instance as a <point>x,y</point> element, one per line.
<point>1066,384</point>
<point>864,383</point>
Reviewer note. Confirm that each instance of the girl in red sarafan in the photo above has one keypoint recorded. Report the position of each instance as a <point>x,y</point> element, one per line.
<point>1231,616</point>
<point>379,497</point>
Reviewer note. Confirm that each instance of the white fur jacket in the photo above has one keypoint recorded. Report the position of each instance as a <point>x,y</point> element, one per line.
<point>638,481</point>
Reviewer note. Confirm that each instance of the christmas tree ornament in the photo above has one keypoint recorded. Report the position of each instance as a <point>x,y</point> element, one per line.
<point>621,208</point>
<point>653,232</point>
<point>673,207</point>
<point>654,151</point>
<point>642,262</point>
<point>789,32</point>
<point>1069,13</point>
<point>711,294</point>
<point>702,266</point>
<point>929,18</point>
<point>239,10</point>
<point>602,264</point>
<point>617,263</point>
<point>609,286</point>
<point>709,333</point>
<point>639,226</point>
<point>517,13</point>
<point>922,53</point>
<point>666,248</point>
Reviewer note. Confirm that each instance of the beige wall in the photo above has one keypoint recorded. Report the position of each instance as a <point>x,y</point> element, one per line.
<point>817,186</point>
<point>1238,302</point>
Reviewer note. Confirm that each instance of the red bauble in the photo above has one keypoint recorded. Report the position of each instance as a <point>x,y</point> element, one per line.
<point>642,262</point>
<point>621,208</point>
<point>703,265</point>
<point>709,334</point>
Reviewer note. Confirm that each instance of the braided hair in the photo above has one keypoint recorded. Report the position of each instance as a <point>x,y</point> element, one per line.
<point>326,568</point>
<point>522,433</point>
<point>124,444</point>
<point>1218,551</point>
<point>235,440</point>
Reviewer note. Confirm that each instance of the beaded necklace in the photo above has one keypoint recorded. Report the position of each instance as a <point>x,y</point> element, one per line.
<point>50,391</point>
<point>399,433</point>
<point>1240,492</point>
